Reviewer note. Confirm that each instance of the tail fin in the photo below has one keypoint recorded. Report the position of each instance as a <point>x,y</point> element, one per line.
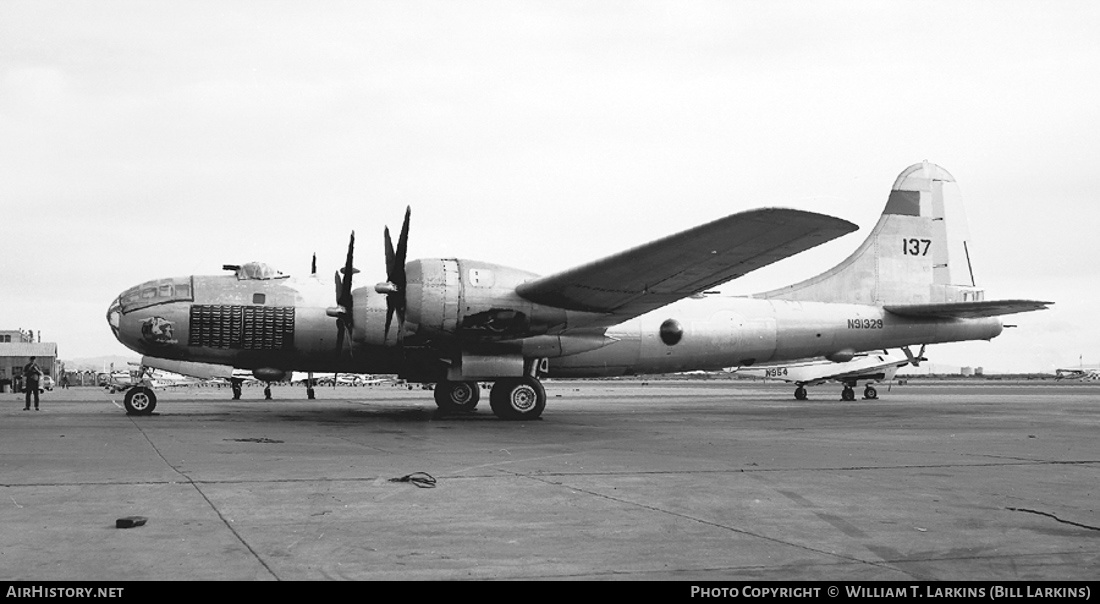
<point>918,253</point>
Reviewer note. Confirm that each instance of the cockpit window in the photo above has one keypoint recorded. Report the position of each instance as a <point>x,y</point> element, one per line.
<point>257,271</point>
<point>156,292</point>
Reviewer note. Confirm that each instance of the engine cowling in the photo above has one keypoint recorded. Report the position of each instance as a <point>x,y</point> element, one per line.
<point>475,300</point>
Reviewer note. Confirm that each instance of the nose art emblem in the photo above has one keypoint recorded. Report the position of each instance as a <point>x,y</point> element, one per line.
<point>157,330</point>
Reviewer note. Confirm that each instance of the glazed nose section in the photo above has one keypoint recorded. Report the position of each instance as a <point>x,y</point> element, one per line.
<point>114,316</point>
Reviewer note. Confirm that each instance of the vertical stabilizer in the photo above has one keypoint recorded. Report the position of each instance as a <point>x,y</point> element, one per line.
<point>918,253</point>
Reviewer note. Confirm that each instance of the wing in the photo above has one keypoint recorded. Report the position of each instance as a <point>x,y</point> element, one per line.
<point>967,310</point>
<point>878,372</point>
<point>650,276</point>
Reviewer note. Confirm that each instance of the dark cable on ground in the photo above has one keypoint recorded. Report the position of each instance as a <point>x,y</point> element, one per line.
<point>420,479</point>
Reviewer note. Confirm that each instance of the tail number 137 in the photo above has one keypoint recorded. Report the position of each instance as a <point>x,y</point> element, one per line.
<point>915,247</point>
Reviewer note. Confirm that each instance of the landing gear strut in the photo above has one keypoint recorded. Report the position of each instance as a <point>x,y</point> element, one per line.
<point>457,396</point>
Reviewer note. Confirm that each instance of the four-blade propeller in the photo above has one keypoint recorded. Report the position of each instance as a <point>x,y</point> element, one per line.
<point>394,287</point>
<point>343,311</point>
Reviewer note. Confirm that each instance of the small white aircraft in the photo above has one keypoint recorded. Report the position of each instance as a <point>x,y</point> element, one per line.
<point>1079,373</point>
<point>338,379</point>
<point>870,368</point>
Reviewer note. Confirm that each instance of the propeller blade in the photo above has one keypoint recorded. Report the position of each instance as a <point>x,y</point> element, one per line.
<point>390,255</point>
<point>344,299</point>
<point>395,275</point>
<point>344,294</point>
<point>402,247</point>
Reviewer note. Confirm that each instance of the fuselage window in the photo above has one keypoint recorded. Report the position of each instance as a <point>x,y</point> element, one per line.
<point>259,299</point>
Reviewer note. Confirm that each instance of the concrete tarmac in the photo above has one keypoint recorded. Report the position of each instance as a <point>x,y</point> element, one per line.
<point>699,480</point>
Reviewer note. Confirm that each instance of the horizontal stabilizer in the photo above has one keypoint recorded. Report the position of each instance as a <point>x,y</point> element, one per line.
<point>647,277</point>
<point>967,310</point>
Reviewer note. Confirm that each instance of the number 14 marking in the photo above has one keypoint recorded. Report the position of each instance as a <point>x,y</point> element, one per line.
<point>913,247</point>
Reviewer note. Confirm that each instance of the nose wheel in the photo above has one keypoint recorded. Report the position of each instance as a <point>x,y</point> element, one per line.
<point>140,400</point>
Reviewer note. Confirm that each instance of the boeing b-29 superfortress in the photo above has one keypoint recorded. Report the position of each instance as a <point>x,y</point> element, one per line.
<point>456,322</point>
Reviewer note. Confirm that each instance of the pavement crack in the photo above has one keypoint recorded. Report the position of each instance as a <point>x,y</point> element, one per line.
<point>1049,515</point>
<point>198,489</point>
<point>883,564</point>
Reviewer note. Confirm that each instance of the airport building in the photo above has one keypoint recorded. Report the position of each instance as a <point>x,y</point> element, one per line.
<point>16,349</point>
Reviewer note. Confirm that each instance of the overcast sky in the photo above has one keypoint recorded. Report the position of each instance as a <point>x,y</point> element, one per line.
<point>149,139</point>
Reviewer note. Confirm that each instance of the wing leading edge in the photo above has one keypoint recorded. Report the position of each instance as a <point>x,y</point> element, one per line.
<point>652,275</point>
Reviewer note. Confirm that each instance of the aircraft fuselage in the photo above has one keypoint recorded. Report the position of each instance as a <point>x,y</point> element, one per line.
<point>284,324</point>
<point>720,332</point>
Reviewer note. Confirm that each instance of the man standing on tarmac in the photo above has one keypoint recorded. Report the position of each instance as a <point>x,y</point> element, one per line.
<point>31,374</point>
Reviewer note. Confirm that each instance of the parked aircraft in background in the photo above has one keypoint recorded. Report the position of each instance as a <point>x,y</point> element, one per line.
<point>137,375</point>
<point>870,368</point>
<point>337,379</point>
<point>1080,373</point>
<point>457,322</point>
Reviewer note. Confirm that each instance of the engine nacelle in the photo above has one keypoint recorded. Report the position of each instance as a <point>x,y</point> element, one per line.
<point>477,300</point>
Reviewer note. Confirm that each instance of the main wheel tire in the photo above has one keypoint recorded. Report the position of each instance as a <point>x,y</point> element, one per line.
<point>870,393</point>
<point>848,394</point>
<point>457,396</point>
<point>800,393</point>
<point>140,401</point>
<point>518,398</point>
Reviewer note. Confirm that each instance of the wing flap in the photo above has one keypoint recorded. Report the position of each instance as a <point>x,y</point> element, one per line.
<point>967,310</point>
<point>649,276</point>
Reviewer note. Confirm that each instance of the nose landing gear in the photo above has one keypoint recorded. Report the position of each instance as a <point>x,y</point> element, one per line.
<point>140,400</point>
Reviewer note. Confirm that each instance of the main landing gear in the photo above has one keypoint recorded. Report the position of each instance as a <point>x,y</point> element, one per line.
<point>848,394</point>
<point>518,398</point>
<point>522,398</point>
<point>511,398</point>
<point>457,396</point>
